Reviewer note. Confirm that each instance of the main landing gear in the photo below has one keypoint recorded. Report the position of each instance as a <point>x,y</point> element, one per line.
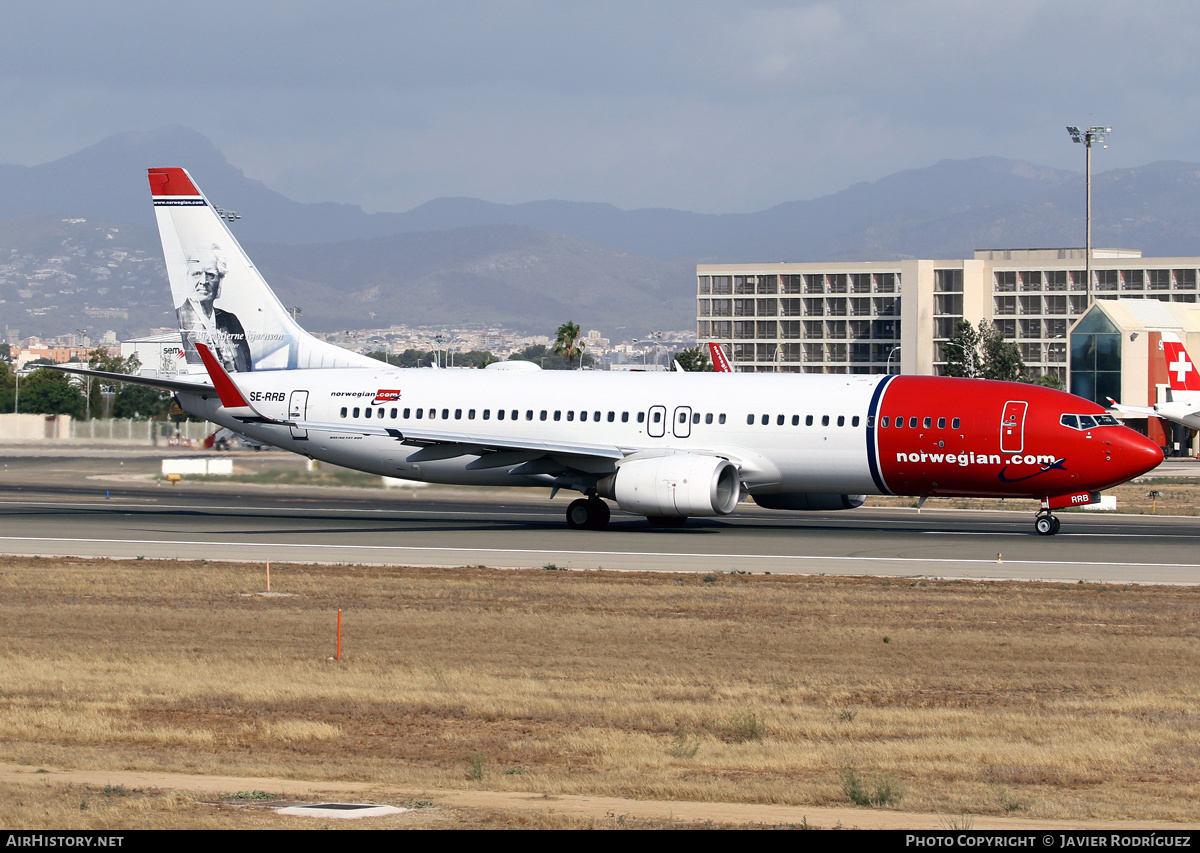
<point>1045,523</point>
<point>588,514</point>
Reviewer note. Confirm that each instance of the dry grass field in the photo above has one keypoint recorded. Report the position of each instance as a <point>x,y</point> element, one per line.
<point>1055,702</point>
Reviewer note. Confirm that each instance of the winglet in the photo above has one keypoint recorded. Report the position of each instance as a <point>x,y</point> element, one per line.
<point>232,399</point>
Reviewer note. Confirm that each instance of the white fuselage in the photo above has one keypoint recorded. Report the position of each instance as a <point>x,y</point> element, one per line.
<point>800,447</point>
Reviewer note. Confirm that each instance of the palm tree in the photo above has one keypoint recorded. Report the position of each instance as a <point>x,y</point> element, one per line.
<point>567,341</point>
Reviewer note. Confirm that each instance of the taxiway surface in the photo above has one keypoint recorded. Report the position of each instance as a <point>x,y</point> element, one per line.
<point>101,504</point>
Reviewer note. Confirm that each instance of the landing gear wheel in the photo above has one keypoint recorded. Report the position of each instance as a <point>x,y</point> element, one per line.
<point>579,514</point>
<point>588,514</point>
<point>666,521</point>
<point>1047,525</point>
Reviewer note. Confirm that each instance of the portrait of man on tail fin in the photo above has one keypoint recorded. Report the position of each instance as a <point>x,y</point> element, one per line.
<point>201,321</point>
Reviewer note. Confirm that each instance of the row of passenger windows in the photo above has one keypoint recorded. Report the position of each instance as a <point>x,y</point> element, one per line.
<point>611,417</point>
<point>809,420</point>
<point>913,423</point>
<point>515,414</point>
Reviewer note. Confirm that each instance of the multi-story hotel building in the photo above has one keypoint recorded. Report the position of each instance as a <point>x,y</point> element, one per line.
<point>896,316</point>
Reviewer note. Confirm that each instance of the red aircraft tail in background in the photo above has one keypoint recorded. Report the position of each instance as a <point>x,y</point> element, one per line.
<point>719,361</point>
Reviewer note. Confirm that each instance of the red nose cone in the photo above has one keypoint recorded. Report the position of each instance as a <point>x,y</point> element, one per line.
<point>1137,455</point>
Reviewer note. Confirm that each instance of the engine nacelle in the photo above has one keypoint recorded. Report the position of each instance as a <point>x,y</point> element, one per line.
<point>809,501</point>
<point>676,485</point>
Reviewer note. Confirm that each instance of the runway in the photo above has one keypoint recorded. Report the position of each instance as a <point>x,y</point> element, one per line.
<point>57,505</point>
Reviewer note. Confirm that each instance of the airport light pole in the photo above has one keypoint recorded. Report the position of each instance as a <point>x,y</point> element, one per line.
<point>1087,137</point>
<point>893,351</point>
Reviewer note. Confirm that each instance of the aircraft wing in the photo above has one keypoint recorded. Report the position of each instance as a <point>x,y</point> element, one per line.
<point>1132,411</point>
<point>478,442</point>
<point>438,444</point>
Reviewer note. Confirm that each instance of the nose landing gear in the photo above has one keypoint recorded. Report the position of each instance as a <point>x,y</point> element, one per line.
<point>1045,523</point>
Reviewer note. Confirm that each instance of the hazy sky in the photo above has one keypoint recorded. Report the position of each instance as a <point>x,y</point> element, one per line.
<point>706,106</point>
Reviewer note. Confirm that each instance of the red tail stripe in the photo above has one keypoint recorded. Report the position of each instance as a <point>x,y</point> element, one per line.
<point>171,181</point>
<point>231,397</point>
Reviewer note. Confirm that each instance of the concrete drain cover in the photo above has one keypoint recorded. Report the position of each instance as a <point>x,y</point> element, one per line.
<point>341,811</point>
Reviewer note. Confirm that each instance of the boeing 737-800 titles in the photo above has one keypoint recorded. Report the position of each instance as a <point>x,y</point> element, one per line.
<point>662,445</point>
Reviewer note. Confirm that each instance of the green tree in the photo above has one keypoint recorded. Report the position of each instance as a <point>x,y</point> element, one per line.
<point>982,353</point>
<point>141,402</point>
<point>547,359</point>
<point>50,392</point>
<point>102,359</point>
<point>567,341</point>
<point>694,359</point>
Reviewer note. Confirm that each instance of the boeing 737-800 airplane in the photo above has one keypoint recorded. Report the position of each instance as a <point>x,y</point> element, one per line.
<point>663,445</point>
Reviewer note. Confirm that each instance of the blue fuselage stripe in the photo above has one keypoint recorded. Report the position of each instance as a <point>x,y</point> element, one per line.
<point>872,419</point>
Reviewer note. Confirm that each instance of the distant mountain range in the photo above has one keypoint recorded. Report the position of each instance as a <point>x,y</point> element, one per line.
<point>534,265</point>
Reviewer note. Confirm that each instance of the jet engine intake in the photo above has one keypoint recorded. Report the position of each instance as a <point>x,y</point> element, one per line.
<point>675,485</point>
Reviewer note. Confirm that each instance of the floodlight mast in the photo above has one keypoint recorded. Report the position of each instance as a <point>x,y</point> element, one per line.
<point>1087,137</point>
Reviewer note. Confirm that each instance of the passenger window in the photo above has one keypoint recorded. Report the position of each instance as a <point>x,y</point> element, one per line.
<point>708,418</point>
<point>432,414</point>
<point>487,414</point>
<point>696,418</point>
<point>515,413</point>
<point>446,414</point>
<point>912,423</point>
<point>356,411</point>
<point>420,413</point>
<point>570,414</point>
<point>750,420</point>
<point>544,414</point>
<point>683,417</point>
<point>528,414</point>
<point>612,416</point>
<point>657,416</point>
<point>343,411</point>
<point>779,420</point>
<point>624,417</point>
<point>583,416</point>
<point>824,420</point>
<point>641,417</point>
<point>884,421</point>
<point>557,415</point>
<point>899,423</point>
<point>499,414</point>
<point>808,420</point>
<point>367,413</point>
<point>841,420</point>
<point>766,419</point>
<point>721,419</point>
<point>596,417</point>
<point>941,423</point>
<point>393,414</point>
<point>928,423</point>
<point>795,420</point>
<point>954,423</point>
<point>854,421</point>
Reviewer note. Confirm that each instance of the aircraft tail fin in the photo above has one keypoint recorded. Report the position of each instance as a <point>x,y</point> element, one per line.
<point>220,298</point>
<point>1181,370</point>
<point>720,362</point>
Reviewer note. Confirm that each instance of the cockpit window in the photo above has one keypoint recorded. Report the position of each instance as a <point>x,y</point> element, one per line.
<point>1088,421</point>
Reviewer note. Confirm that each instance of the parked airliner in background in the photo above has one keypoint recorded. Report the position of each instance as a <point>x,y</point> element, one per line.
<point>1183,400</point>
<point>720,362</point>
<point>663,445</point>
